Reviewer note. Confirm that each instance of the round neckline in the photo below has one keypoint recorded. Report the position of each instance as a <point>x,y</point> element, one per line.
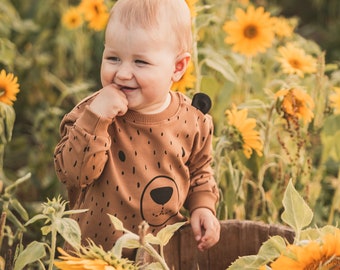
<point>165,115</point>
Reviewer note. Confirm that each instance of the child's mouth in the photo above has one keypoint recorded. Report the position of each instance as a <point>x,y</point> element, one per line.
<point>125,88</point>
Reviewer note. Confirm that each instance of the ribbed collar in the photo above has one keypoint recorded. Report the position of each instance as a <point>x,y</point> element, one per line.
<point>164,116</point>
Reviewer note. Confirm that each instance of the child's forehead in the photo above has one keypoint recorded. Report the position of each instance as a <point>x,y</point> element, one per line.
<point>150,37</point>
<point>140,20</point>
<point>155,29</point>
<point>169,19</point>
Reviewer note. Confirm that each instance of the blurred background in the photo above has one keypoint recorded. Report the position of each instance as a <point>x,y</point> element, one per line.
<point>57,66</point>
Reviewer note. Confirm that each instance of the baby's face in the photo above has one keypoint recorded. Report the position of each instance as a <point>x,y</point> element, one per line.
<point>139,63</point>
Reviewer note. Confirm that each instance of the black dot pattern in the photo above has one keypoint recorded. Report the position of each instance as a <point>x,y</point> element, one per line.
<point>136,167</point>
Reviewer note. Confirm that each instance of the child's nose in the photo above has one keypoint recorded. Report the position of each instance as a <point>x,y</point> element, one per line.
<point>124,72</point>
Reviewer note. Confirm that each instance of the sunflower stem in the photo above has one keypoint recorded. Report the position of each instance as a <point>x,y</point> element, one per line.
<point>333,205</point>
<point>53,247</point>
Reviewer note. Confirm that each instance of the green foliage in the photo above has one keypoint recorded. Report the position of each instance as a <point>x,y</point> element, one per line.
<point>7,117</point>
<point>33,252</point>
<point>12,214</point>
<point>306,153</point>
<point>298,215</point>
<point>144,241</point>
<point>53,215</point>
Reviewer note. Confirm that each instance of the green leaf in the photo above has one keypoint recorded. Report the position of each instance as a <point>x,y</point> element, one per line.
<point>69,229</point>
<point>7,118</point>
<point>45,230</point>
<point>33,252</point>
<point>165,234</point>
<point>17,206</point>
<point>117,223</point>
<point>128,240</point>
<point>8,50</point>
<point>214,60</point>
<point>14,220</point>
<point>75,211</point>
<point>222,66</point>
<point>36,218</point>
<point>272,248</point>
<point>297,213</point>
<point>269,251</point>
<point>329,138</point>
<point>251,262</point>
<point>150,238</point>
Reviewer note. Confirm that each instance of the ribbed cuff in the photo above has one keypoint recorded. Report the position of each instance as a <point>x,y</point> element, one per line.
<point>93,123</point>
<point>202,199</point>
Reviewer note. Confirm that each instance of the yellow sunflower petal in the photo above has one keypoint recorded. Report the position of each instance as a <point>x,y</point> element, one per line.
<point>334,99</point>
<point>282,27</point>
<point>314,255</point>
<point>250,138</point>
<point>251,32</point>
<point>294,60</point>
<point>191,4</point>
<point>98,22</point>
<point>8,87</point>
<point>91,8</point>
<point>72,18</point>
<point>296,103</point>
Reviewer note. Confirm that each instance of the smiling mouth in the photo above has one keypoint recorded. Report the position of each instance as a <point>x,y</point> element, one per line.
<point>125,88</point>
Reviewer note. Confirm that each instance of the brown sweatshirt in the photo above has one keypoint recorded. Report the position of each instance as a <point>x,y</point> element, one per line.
<point>135,167</point>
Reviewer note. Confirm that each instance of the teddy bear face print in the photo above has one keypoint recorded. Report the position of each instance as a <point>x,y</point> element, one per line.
<point>159,201</point>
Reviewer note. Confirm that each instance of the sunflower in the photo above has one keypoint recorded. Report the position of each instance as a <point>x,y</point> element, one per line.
<point>187,81</point>
<point>72,18</point>
<point>96,13</point>
<point>282,27</point>
<point>315,255</point>
<point>99,21</point>
<point>335,100</point>
<point>243,2</point>
<point>251,33</point>
<point>8,87</point>
<point>72,262</point>
<point>295,60</point>
<point>191,4</point>
<point>296,103</point>
<point>249,137</point>
<point>93,258</point>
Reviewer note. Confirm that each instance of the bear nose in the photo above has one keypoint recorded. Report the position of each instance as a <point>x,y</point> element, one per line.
<point>161,195</point>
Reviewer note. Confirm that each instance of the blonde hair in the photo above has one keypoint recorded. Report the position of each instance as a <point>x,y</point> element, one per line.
<point>148,13</point>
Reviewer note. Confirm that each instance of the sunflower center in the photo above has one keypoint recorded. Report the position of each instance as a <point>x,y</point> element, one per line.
<point>292,104</point>
<point>324,264</point>
<point>250,31</point>
<point>295,63</point>
<point>96,9</point>
<point>2,91</point>
<point>74,20</point>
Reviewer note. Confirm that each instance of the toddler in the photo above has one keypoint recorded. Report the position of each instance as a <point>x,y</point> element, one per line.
<point>134,148</point>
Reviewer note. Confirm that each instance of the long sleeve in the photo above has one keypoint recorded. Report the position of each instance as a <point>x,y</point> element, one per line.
<point>203,190</point>
<point>81,154</point>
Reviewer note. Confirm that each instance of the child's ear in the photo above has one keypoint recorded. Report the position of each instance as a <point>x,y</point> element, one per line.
<point>181,65</point>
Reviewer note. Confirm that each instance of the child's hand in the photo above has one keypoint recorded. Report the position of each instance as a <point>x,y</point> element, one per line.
<point>110,102</point>
<point>206,228</point>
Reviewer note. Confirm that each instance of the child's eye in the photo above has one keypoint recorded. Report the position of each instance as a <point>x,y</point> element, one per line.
<point>141,62</point>
<point>113,59</point>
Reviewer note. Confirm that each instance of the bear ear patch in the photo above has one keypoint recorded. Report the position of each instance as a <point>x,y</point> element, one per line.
<point>202,102</point>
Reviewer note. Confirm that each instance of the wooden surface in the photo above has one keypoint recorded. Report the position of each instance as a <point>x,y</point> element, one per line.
<point>238,238</point>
